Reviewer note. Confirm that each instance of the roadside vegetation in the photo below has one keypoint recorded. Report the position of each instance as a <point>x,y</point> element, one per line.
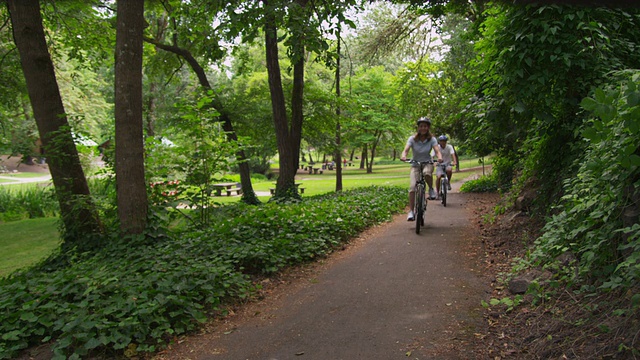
<point>551,91</point>
<point>131,301</point>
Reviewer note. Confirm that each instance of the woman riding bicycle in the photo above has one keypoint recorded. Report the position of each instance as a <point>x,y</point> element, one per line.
<point>421,145</point>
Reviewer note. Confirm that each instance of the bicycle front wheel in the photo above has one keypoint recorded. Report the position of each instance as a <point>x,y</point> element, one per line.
<point>444,185</point>
<point>419,207</point>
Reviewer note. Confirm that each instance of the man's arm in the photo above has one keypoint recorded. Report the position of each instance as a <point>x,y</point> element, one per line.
<point>455,156</point>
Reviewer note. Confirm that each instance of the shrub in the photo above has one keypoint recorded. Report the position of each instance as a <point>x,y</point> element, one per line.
<point>486,183</point>
<point>590,223</point>
<point>28,203</point>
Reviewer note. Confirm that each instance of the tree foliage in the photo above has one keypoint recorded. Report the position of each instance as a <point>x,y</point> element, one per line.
<point>599,216</point>
<point>534,65</point>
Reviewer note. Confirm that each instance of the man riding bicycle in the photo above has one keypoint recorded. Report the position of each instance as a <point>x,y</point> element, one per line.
<point>449,158</point>
<point>421,145</point>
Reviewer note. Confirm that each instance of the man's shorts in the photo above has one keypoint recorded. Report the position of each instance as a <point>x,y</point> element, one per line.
<point>439,171</point>
<point>415,175</point>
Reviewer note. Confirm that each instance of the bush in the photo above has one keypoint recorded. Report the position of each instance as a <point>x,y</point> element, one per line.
<point>597,219</point>
<point>29,203</point>
<point>486,183</point>
<point>138,292</point>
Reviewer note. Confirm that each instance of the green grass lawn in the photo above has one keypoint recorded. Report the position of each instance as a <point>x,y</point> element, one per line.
<point>396,173</point>
<point>24,243</point>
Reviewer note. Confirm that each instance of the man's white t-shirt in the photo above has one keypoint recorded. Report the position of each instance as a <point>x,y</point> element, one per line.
<point>447,153</point>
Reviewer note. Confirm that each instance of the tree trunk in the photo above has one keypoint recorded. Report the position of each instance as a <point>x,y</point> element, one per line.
<point>338,152</point>
<point>288,140</point>
<point>364,157</point>
<point>129,162</point>
<point>77,211</point>
<point>374,146</point>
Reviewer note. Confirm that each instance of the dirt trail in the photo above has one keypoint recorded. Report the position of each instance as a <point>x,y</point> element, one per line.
<point>391,295</point>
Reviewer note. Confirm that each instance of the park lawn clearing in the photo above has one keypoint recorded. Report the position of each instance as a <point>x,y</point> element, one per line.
<point>24,243</point>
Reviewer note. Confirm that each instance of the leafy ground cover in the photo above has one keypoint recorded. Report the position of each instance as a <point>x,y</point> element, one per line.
<point>138,293</point>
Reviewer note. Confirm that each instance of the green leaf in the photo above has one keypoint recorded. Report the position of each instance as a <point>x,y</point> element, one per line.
<point>12,335</point>
<point>600,95</point>
<point>92,344</point>
<point>28,316</point>
<point>635,160</point>
<point>633,98</point>
<point>591,134</point>
<point>589,104</point>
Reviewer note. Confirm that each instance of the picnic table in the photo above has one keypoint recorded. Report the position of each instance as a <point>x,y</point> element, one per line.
<point>229,187</point>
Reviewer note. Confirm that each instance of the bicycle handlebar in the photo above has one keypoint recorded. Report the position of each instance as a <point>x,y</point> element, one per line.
<point>411,161</point>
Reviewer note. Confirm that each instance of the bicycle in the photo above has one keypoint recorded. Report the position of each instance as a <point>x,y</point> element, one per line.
<point>444,184</point>
<point>420,204</point>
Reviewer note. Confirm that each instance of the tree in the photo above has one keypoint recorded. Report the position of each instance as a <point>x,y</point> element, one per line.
<point>373,113</point>
<point>303,32</point>
<point>183,14</point>
<point>288,135</point>
<point>129,154</point>
<point>338,153</point>
<point>535,64</point>
<point>78,214</point>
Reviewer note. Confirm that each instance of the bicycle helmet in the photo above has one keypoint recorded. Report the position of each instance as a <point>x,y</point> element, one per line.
<point>443,138</point>
<point>424,120</point>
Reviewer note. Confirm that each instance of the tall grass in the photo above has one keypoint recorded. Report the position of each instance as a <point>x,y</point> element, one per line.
<point>27,203</point>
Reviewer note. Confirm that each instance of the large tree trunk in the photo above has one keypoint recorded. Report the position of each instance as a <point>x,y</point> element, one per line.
<point>338,153</point>
<point>76,209</point>
<point>129,164</point>
<point>248,194</point>
<point>288,141</point>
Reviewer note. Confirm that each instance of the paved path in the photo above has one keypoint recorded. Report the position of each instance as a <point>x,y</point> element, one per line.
<point>398,295</point>
<point>12,180</point>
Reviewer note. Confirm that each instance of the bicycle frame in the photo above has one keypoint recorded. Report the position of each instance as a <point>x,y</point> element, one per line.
<point>444,182</point>
<point>420,203</point>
